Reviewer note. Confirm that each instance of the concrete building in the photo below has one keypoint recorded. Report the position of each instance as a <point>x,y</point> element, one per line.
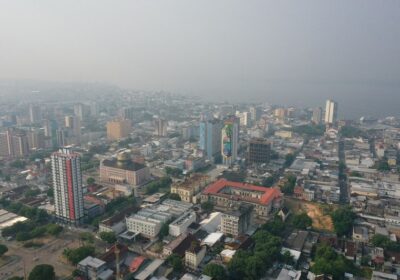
<point>118,129</point>
<point>81,111</point>
<point>317,115</point>
<point>67,184</point>
<point>280,113</point>
<point>259,151</point>
<point>255,113</point>
<point>122,170</point>
<point>36,139</point>
<point>188,189</point>
<point>14,143</point>
<point>180,225</point>
<point>147,222</point>
<point>94,268</point>
<point>8,219</point>
<point>73,123</point>
<point>226,195</point>
<point>194,255</point>
<point>331,112</point>
<point>35,114</point>
<point>230,140</point>
<point>210,138</point>
<point>238,221</point>
<point>161,127</point>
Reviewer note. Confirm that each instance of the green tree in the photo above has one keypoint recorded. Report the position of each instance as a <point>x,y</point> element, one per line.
<point>175,196</point>
<point>108,237</point>
<point>275,226</point>
<point>289,185</point>
<point>343,219</point>
<point>50,192</point>
<point>164,230</point>
<point>42,271</point>
<point>302,221</point>
<point>23,236</point>
<point>90,181</point>
<point>86,237</point>
<point>379,240</point>
<point>174,172</point>
<point>268,182</point>
<point>383,165</point>
<point>289,158</point>
<point>207,206</point>
<point>327,261</point>
<point>215,271</point>
<point>3,249</point>
<point>287,258</point>
<point>74,256</point>
<point>54,229</point>
<point>18,164</point>
<point>175,261</point>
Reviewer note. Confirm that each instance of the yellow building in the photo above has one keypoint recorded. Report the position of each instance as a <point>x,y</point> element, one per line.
<point>188,189</point>
<point>118,129</point>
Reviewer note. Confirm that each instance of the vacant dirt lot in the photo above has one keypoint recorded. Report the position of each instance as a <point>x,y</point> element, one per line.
<point>321,221</point>
<point>50,253</point>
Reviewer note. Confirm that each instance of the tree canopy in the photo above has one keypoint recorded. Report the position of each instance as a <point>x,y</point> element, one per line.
<point>302,221</point>
<point>3,249</point>
<point>290,183</point>
<point>154,187</point>
<point>207,206</point>
<point>343,219</point>
<point>42,271</point>
<point>108,237</point>
<point>175,261</point>
<point>175,196</point>
<point>379,240</point>
<point>252,264</point>
<point>215,271</point>
<point>74,256</point>
<point>328,262</point>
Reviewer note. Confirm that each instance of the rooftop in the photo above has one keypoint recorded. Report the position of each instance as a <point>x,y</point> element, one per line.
<point>125,165</point>
<point>267,194</point>
<point>92,262</point>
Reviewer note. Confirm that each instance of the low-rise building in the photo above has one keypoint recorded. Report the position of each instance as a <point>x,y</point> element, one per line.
<point>190,187</point>
<point>147,222</point>
<point>181,224</point>
<point>93,268</point>
<point>194,255</point>
<point>226,195</point>
<point>122,170</point>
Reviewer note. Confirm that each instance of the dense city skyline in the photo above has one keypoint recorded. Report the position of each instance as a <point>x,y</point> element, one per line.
<point>279,52</point>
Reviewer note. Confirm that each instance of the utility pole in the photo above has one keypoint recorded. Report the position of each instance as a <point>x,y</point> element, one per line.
<point>117,251</point>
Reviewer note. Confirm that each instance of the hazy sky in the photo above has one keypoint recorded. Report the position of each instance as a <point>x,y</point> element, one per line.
<point>283,51</point>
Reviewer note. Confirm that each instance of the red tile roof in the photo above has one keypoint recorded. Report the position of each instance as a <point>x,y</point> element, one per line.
<point>268,195</point>
<point>136,263</point>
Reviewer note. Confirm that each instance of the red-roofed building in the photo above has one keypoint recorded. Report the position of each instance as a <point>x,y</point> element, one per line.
<point>227,194</point>
<point>136,263</point>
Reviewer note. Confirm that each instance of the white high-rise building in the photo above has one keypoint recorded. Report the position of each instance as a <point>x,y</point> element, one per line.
<point>331,111</point>
<point>34,113</point>
<point>67,185</point>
